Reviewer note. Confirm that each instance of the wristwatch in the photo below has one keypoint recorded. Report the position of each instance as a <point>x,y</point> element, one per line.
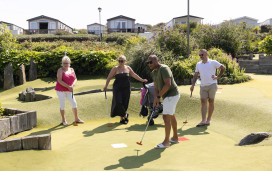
<point>158,97</point>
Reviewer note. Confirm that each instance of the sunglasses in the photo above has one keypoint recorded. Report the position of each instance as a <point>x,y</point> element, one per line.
<point>201,54</point>
<point>65,63</point>
<point>121,61</point>
<point>149,62</point>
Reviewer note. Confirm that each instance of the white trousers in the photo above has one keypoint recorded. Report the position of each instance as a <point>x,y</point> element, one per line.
<point>66,94</point>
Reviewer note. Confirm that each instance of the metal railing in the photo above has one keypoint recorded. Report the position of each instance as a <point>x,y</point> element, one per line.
<point>126,30</point>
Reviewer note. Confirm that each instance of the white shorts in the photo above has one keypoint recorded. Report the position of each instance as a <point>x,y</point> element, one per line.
<point>66,94</point>
<point>169,104</point>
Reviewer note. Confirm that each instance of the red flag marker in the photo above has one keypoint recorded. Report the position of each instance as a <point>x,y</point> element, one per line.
<point>182,139</point>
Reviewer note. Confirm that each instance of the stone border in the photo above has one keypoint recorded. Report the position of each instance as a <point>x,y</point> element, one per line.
<point>19,122</point>
<point>37,142</point>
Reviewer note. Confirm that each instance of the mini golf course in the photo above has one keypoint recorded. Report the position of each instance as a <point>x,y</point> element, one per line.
<point>239,110</point>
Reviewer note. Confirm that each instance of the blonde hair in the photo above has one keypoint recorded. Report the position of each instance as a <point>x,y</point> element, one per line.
<point>123,57</point>
<point>66,58</point>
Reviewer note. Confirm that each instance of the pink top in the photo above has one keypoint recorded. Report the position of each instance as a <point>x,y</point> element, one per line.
<point>68,79</point>
<point>142,95</point>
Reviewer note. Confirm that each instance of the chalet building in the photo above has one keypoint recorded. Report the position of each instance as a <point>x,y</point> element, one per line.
<point>16,30</point>
<point>266,22</point>
<point>251,22</point>
<point>183,20</point>
<point>46,25</point>
<point>122,24</point>
<point>95,28</point>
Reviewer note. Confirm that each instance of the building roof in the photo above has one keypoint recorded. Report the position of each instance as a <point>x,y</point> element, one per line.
<point>43,16</point>
<point>185,16</point>
<point>95,24</point>
<point>244,17</point>
<point>121,16</point>
<point>3,22</point>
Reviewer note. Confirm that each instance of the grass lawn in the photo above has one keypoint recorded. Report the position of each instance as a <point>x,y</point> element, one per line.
<point>240,109</point>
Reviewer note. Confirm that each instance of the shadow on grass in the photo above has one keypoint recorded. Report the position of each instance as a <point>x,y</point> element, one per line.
<point>141,127</point>
<point>193,131</point>
<point>133,162</point>
<point>55,128</point>
<point>101,129</point>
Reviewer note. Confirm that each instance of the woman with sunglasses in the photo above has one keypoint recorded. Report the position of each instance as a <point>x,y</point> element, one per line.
<point>66,80</point>
<point>121,88</point>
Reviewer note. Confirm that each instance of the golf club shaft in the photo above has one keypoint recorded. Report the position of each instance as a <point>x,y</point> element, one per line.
<point>107,107</point>
<point>190,97</point>
<point>147,125</point>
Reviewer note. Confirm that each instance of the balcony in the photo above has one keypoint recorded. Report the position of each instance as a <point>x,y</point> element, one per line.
<point>125,30</point>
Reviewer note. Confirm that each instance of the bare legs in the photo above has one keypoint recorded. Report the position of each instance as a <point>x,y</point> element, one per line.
<point>170,121</point>
<point>204,110</point>
<point>77,119</point>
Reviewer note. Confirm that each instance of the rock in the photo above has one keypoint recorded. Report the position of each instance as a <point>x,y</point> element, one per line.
<point>14,125</point>
<point>22,96</point>
<point>254,138</point>
<point>29,89</point>
<point>44,142</point>
<point>30,142</point>
<point>30,96</point>
<point>4,128</point>
<point>32,119</point>
<point>251,55</point>
<point>14,144</point>
<point>23,123</point>
<point>3,146</point>
<point>32,70</point>
<point>8,77</point>
<point>22,76</point>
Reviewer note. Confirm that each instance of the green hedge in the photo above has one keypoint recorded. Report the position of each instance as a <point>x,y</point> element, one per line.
<point>83,61</point>
<point>113,37</point>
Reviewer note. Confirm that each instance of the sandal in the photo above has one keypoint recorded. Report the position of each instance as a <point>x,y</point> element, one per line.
<point>160,146</point>
<point>80,121</point>
<point>201,124</point>
<point>123,121</point>
<point>172,141</point>
<point>65,123</point>
<point>126,119</point>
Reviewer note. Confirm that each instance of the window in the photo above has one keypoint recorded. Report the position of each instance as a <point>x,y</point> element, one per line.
<point>52,25</point>
<point>121,24</point>
<point>33,25</point>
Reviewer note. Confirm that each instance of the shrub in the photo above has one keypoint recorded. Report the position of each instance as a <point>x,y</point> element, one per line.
<point>232,38</point>
<point>137,56</point>
<point>1,110</point>
<point>233,74</point>
<point>84,62</point>
<point>266,28</point>
<point>62,32</point>
<point>75,45</point>
<point>266,45</point>
<point>132,41</point>
<point>174,40</point>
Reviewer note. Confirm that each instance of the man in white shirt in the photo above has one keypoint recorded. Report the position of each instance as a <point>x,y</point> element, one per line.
<point>207,70</point>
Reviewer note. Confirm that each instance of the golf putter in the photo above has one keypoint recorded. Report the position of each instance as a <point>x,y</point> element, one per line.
<point>185,122</point>
<point>140,143</point>
<point>107,110</point>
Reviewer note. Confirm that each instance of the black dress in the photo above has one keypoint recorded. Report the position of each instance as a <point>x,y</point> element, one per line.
<point>121,95</point>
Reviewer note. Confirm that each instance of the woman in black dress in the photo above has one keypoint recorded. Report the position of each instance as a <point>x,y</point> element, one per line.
<point>121,88</point>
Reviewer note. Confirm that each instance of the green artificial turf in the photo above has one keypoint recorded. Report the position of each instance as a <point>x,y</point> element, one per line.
<point>239,110</point>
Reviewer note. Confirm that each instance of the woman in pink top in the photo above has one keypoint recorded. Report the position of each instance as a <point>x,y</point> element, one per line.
<point>66,80</point>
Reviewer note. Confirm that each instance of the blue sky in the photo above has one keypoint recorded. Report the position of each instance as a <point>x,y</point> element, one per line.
<point>79,13</point>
